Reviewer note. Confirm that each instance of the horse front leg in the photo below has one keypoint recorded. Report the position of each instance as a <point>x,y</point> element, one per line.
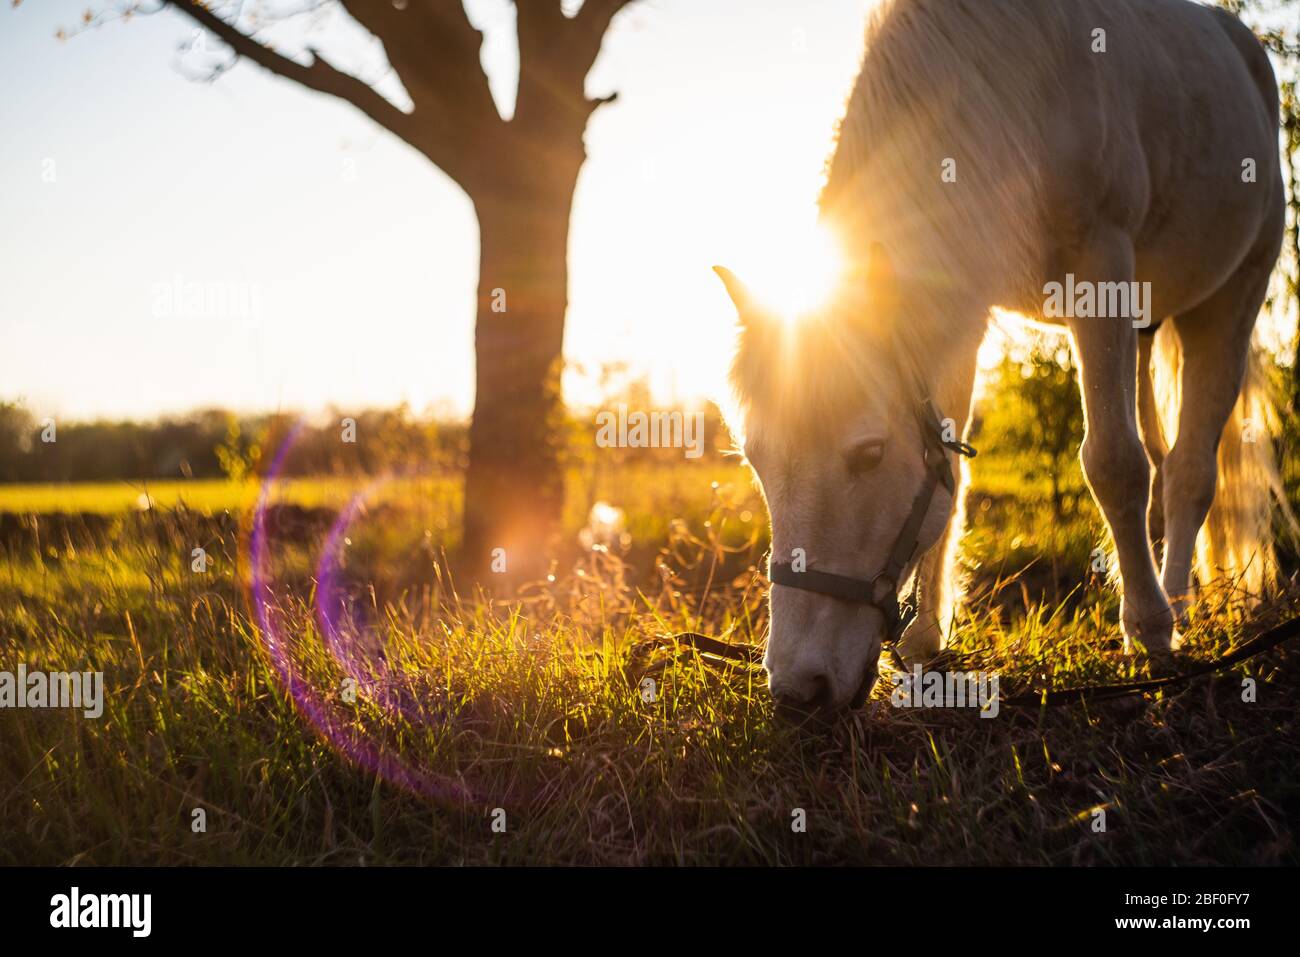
<point>938,589</point>
<point>1114,460</point>
<point>938,584</point>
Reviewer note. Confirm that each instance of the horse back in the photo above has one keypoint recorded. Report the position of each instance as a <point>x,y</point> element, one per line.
<point>1169,133</point>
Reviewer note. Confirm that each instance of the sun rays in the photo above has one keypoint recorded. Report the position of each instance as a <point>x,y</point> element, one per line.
<point>795,275</point>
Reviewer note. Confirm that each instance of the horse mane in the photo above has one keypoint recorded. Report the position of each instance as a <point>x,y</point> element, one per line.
<point>966,81</point>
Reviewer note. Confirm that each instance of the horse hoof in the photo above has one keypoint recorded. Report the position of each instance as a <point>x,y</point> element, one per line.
<point>1153,637</point>
<point>1182,610</point>
<point>1160,658</point>
<point>1162,664</point>
<point>1176,639</point>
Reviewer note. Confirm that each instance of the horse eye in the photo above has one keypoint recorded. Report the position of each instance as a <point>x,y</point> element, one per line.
<point>864,457</point>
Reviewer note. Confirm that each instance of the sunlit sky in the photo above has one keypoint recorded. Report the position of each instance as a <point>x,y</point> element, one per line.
<point>362,254</point>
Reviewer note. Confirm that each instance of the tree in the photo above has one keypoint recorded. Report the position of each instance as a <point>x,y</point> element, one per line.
<point>17,426</point>
<point>1036,412</point>
<point>520,175</point>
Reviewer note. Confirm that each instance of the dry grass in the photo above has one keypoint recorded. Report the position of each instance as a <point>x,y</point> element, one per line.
<point>527,707</point>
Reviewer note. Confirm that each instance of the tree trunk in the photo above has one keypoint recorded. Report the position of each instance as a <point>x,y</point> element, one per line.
<point>514,486</point>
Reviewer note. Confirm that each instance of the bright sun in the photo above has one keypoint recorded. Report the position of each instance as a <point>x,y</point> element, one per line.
<point>796,275</point>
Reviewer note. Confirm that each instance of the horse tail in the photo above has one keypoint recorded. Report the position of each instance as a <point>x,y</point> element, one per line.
<point>1237,540</point>
<point>1236,543</point>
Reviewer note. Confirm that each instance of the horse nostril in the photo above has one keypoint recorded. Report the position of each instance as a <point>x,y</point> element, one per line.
<point>821,697</point>
<point>811,693</point>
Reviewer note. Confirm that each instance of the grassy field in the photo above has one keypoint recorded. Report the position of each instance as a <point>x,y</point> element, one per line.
<point>201,495</point>
<point>529,715</point>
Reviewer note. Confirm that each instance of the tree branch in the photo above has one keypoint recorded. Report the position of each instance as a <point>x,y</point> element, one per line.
<point>318,75</point>
<point>555,55</point>
<point>595,17</point>
<point>435,51</point>
<point>322,77</point>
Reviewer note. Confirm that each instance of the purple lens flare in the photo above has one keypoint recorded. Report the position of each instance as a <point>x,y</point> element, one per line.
<point>325,708</point>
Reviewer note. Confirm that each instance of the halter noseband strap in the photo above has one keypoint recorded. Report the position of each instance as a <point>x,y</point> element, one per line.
<point>881,592</point>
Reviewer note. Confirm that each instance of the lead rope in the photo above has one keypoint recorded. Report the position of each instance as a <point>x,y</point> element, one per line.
<point>751,656</point>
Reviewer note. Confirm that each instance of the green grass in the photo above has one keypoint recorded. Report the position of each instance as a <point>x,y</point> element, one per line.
<point>659,486</point>
<point>534,707</point>
<point>207,496</point>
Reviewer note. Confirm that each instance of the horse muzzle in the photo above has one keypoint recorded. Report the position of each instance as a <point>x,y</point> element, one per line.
<point>812,700</point>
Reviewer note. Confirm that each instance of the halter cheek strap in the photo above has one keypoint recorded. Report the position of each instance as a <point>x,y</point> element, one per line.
<point>881,591</point>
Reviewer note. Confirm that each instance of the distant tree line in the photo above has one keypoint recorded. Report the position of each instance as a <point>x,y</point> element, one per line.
<point>216,443</point>
<point>213,443</point>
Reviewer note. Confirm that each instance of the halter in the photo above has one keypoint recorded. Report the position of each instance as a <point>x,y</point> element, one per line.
<point>881,591</point>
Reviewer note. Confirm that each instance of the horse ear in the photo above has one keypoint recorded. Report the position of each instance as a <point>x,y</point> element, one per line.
<point>738,292</point>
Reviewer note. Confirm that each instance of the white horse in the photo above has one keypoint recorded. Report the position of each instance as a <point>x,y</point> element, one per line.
<point>995,154</point>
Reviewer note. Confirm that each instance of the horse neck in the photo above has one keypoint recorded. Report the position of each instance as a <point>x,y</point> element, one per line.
<point>938,349</point>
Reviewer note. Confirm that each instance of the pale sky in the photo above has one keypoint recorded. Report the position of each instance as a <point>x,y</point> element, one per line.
<point>120,178</point>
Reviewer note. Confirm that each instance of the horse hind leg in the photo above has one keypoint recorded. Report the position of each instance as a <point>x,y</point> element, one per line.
<point>1153,438</point>
<point>1215,339</point>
